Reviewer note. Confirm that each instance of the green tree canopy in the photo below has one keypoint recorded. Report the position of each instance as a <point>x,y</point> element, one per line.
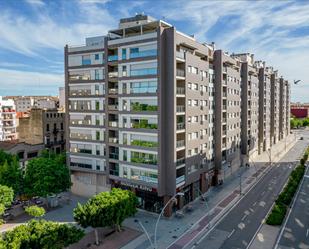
<point>35,211</point>
<point>46,176</point>
<point>6,195</point>
<point>106,209</point>
<point>41,234</point>
<point>11,175</point>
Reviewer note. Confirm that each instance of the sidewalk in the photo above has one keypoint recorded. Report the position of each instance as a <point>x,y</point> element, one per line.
<point>176,233</point>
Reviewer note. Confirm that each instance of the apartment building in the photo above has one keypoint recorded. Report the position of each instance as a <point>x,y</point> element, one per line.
<point>228,112</point>
<point>7,120</point>
<point>283,105</point>
<point>25,103</point>
<point>152,110</point>
<point>249,104</point>
<point>43,126</point>
<point>264,106</point>
<point>138,100</point>
<point>274,108</point>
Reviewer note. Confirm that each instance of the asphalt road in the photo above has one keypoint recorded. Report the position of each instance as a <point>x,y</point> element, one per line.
<point>296,232</point>
<point>239,226</point>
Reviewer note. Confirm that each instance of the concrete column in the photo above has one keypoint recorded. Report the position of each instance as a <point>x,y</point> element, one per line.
<point>203,183</point>
<point>168,210</point>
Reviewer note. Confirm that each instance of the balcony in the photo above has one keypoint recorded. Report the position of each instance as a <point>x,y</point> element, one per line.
<point>152,161</point>
<point>180,143</point>
<point>152,52</point>
<point>224,132</point>
<point>223,120</point>
<point>224,94</point>
<point>113,58</point>
<point>180,179</point>
<point>113,124</point>
<point>86,62</point>
<point>113,74</point>
<point>180,72</point>
<point>141,143</point>
<point>114,172</point>
<point>224,107</point>
<point>144,125</point>
<point>180,126</point>
<point>180,108</point>
<point>180,90</point>
<point>180,55</point>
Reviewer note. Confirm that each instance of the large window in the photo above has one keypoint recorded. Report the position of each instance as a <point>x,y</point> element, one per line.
<point>145,176</point>
<point>79,75</point>
<point>144,87</point>
<point>145,158</point>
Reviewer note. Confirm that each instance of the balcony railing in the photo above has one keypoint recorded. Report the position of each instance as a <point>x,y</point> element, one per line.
<point>180,73</point>
<point>180,179</point>
<point>113,74</point>
<point>113,58</point>
<point>223,120</point>
<point>144,71</point>
<point>113,107</point>
<point>180,55</point>
<point>113,140</point>
<point>113,91</point>
<point>152,52</point>
<point>113,124</point>
<point>180,108</point>
<point>180,90</point>
<point>114,156</point>
<point>180,126</point>
<point>180,161</point>
<point>180,143</point>
<point>224,107</point>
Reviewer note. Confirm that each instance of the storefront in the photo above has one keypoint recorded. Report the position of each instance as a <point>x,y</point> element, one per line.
<point>148,198</point>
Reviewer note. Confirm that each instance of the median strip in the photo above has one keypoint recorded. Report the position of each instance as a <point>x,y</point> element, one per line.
<point>284,200</point>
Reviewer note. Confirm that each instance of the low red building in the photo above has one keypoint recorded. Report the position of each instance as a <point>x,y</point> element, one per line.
<point>300,110</point>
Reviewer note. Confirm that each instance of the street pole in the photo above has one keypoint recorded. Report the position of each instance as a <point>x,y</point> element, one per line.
<point>156,227</point>
<point>147,234</point>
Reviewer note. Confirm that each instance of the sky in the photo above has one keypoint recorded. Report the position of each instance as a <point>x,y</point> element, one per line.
<point>33,34</point>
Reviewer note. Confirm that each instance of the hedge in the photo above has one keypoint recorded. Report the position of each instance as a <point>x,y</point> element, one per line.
<point>284,200</point>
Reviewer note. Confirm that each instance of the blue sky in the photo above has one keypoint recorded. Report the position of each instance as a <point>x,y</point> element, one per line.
<point>34,32</point>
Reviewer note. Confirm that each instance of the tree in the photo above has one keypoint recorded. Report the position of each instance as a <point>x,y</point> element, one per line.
<point>106,209</point>
<point>11,175</point>
<point>35,211</point>
<point>45,176</point>
<point>6,198</point>
<point>41,234</point>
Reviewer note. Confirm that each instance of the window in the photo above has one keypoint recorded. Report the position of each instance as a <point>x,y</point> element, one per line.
<point>96,74</point>
<point>61,125</point>
<point>96,56</point>
<point>97,105</point>
<point>86,60</point>
<point>124,71</point>
<point>195,70</point>
<point>134,50</point>
<point>97,135</point>
<point>124,53</point>
<point>47,127</point>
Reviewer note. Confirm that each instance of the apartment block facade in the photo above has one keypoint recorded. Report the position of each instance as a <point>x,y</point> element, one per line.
<point>152,110</point>
<point>8,120</point>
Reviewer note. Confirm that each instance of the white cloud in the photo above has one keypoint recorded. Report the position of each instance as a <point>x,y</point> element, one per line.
<point>35,2</point>
<point>13,79</point>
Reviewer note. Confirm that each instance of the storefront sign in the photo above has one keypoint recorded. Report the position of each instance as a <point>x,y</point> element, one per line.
<point>137,186</point>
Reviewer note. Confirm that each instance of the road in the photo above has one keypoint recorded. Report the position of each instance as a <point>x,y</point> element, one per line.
<point>296,232</point>
<point>239,226</point>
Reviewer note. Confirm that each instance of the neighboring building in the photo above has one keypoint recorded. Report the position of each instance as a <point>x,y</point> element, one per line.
<point>264,106</point>
<point>249,104</point>
<point>275,108</point>
<point>43,126</point>
<point>7,120</point>
<point>61,98</point>
<point>299,110</point>
<point>227,111</point>
<point>26,103</point>
<point>152,110</point>
<point>24,151</point>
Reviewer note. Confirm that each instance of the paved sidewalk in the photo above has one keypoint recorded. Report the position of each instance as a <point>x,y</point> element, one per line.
<point>176,233</point>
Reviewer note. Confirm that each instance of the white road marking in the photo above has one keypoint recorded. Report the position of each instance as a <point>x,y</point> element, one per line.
<point>254,204</point>
<point>231,233</point>
<point>244,217</point>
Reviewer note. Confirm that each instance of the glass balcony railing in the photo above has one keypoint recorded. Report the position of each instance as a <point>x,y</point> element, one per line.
<point>113,74</point>
<point>144,143</point>
<point>180,161</point>
<point>113,58</point>
<point>145,53</point>
<point>180,179</point>
<point>180,143</point>
<point>180,90</point>
<point>144,71</point>
<point>180,108</point>
<point>86,62</point>
<point>180,72</point>
<point>143,107</point>
<point>180,55</point>
<point>180,126</point>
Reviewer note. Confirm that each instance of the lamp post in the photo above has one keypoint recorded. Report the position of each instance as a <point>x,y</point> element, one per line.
<point>156,227</point>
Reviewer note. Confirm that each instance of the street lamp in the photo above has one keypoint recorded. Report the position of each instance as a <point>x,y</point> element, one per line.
<point>156,227</point>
